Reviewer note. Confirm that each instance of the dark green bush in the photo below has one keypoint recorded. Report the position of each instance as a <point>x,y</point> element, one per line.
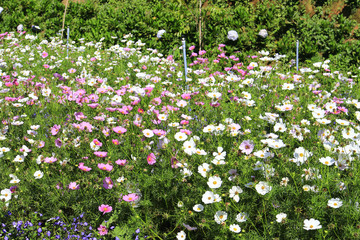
<point>322,34</point>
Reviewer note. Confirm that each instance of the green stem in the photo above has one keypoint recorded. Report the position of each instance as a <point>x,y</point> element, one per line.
<point>137,216</point>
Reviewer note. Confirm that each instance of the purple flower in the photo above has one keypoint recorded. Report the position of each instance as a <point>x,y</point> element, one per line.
<point>59,76</point>
<point>247,147</point>
<point>108,183</point>
<point>58,142</point>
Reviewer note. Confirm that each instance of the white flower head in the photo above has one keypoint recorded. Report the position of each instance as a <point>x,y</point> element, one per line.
<point>208,197</point>
<point>220,217</point>
<point>263,188</point>
<point>181,235</point>
<point>198,208</point>
<point>312,224</point>
<point>335,203</point>
<point>214,182</point>
<point>263,33</point>
<point>241,217</point>
<point>280,217</point>
<point>232,35</point>
<point>38,174</point>
<point>235,228</point>
<point>160,33</point>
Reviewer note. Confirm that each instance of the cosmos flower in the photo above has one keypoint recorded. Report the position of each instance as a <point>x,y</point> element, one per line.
<point>246,147</point>
<point>335,203</point>
<point>105,167</point>
<point>151,159</point>
<point>74,186</point>
<point>312,224</point>
<point>130,197</point>
<point>105,208</point>
<point>263,188</point>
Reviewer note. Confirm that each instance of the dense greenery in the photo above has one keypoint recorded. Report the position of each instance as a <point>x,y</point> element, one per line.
<point>325,29</point>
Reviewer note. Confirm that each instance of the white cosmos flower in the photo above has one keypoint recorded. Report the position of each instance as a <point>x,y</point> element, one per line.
<point>198,208</point>
<point>181,235</point>
<point>208,197</point>
<point>323,121</point>
<point>214,182</point>
<point>220,217</point>
<point>5,194</point>
<point>46,92</point>
<point>189,147</point>
<point>204,168</point>
<point>280,217</point>
<point>209,128</point>
<point>148,133</point>
<point>234,193</point>
<point>235,228</point>
<point>318,113</point>
<point>19,158</point>
<point>263,188</point>
<point>328,161</point>
<point>342,122</point>
<point>220,154</point>
<point>335,203</point>
<point>312,224</point>
<point>162,117</point>
<point>38,174</point>
<point>180,136</point>
<point>242,217</point>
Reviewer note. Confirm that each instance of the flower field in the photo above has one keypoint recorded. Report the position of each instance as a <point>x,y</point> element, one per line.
<point>117,143</point>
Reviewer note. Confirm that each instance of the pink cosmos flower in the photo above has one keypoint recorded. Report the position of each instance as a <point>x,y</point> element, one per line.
<point>50,159</point>
<point>100,154</point>
<point>102,230</point>
<point>119,129</point>
<point>202,52</point>
<point>130,197</point>
<point>93,105</point>
<point>191,48</point>
<point>105,208</point>
<point>105,167</point>
<point>186,96</point>
<point>187,132</point>
<point>44,54</point>
<point>151,159</point>
<point>55,129</point>
<point>87,126</point>
<point>115,141</point>
<point>79,116</point>
<point>74,186</point>
<point>72,70</point>
<point>121,162</point>
<point>41,144</point>
<point>184,122</point>
<point>247,147</point>
<point>84,168</point>
<point>97,142</point>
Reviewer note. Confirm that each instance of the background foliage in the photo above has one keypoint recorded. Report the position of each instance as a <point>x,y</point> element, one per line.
<point>327,29</point>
